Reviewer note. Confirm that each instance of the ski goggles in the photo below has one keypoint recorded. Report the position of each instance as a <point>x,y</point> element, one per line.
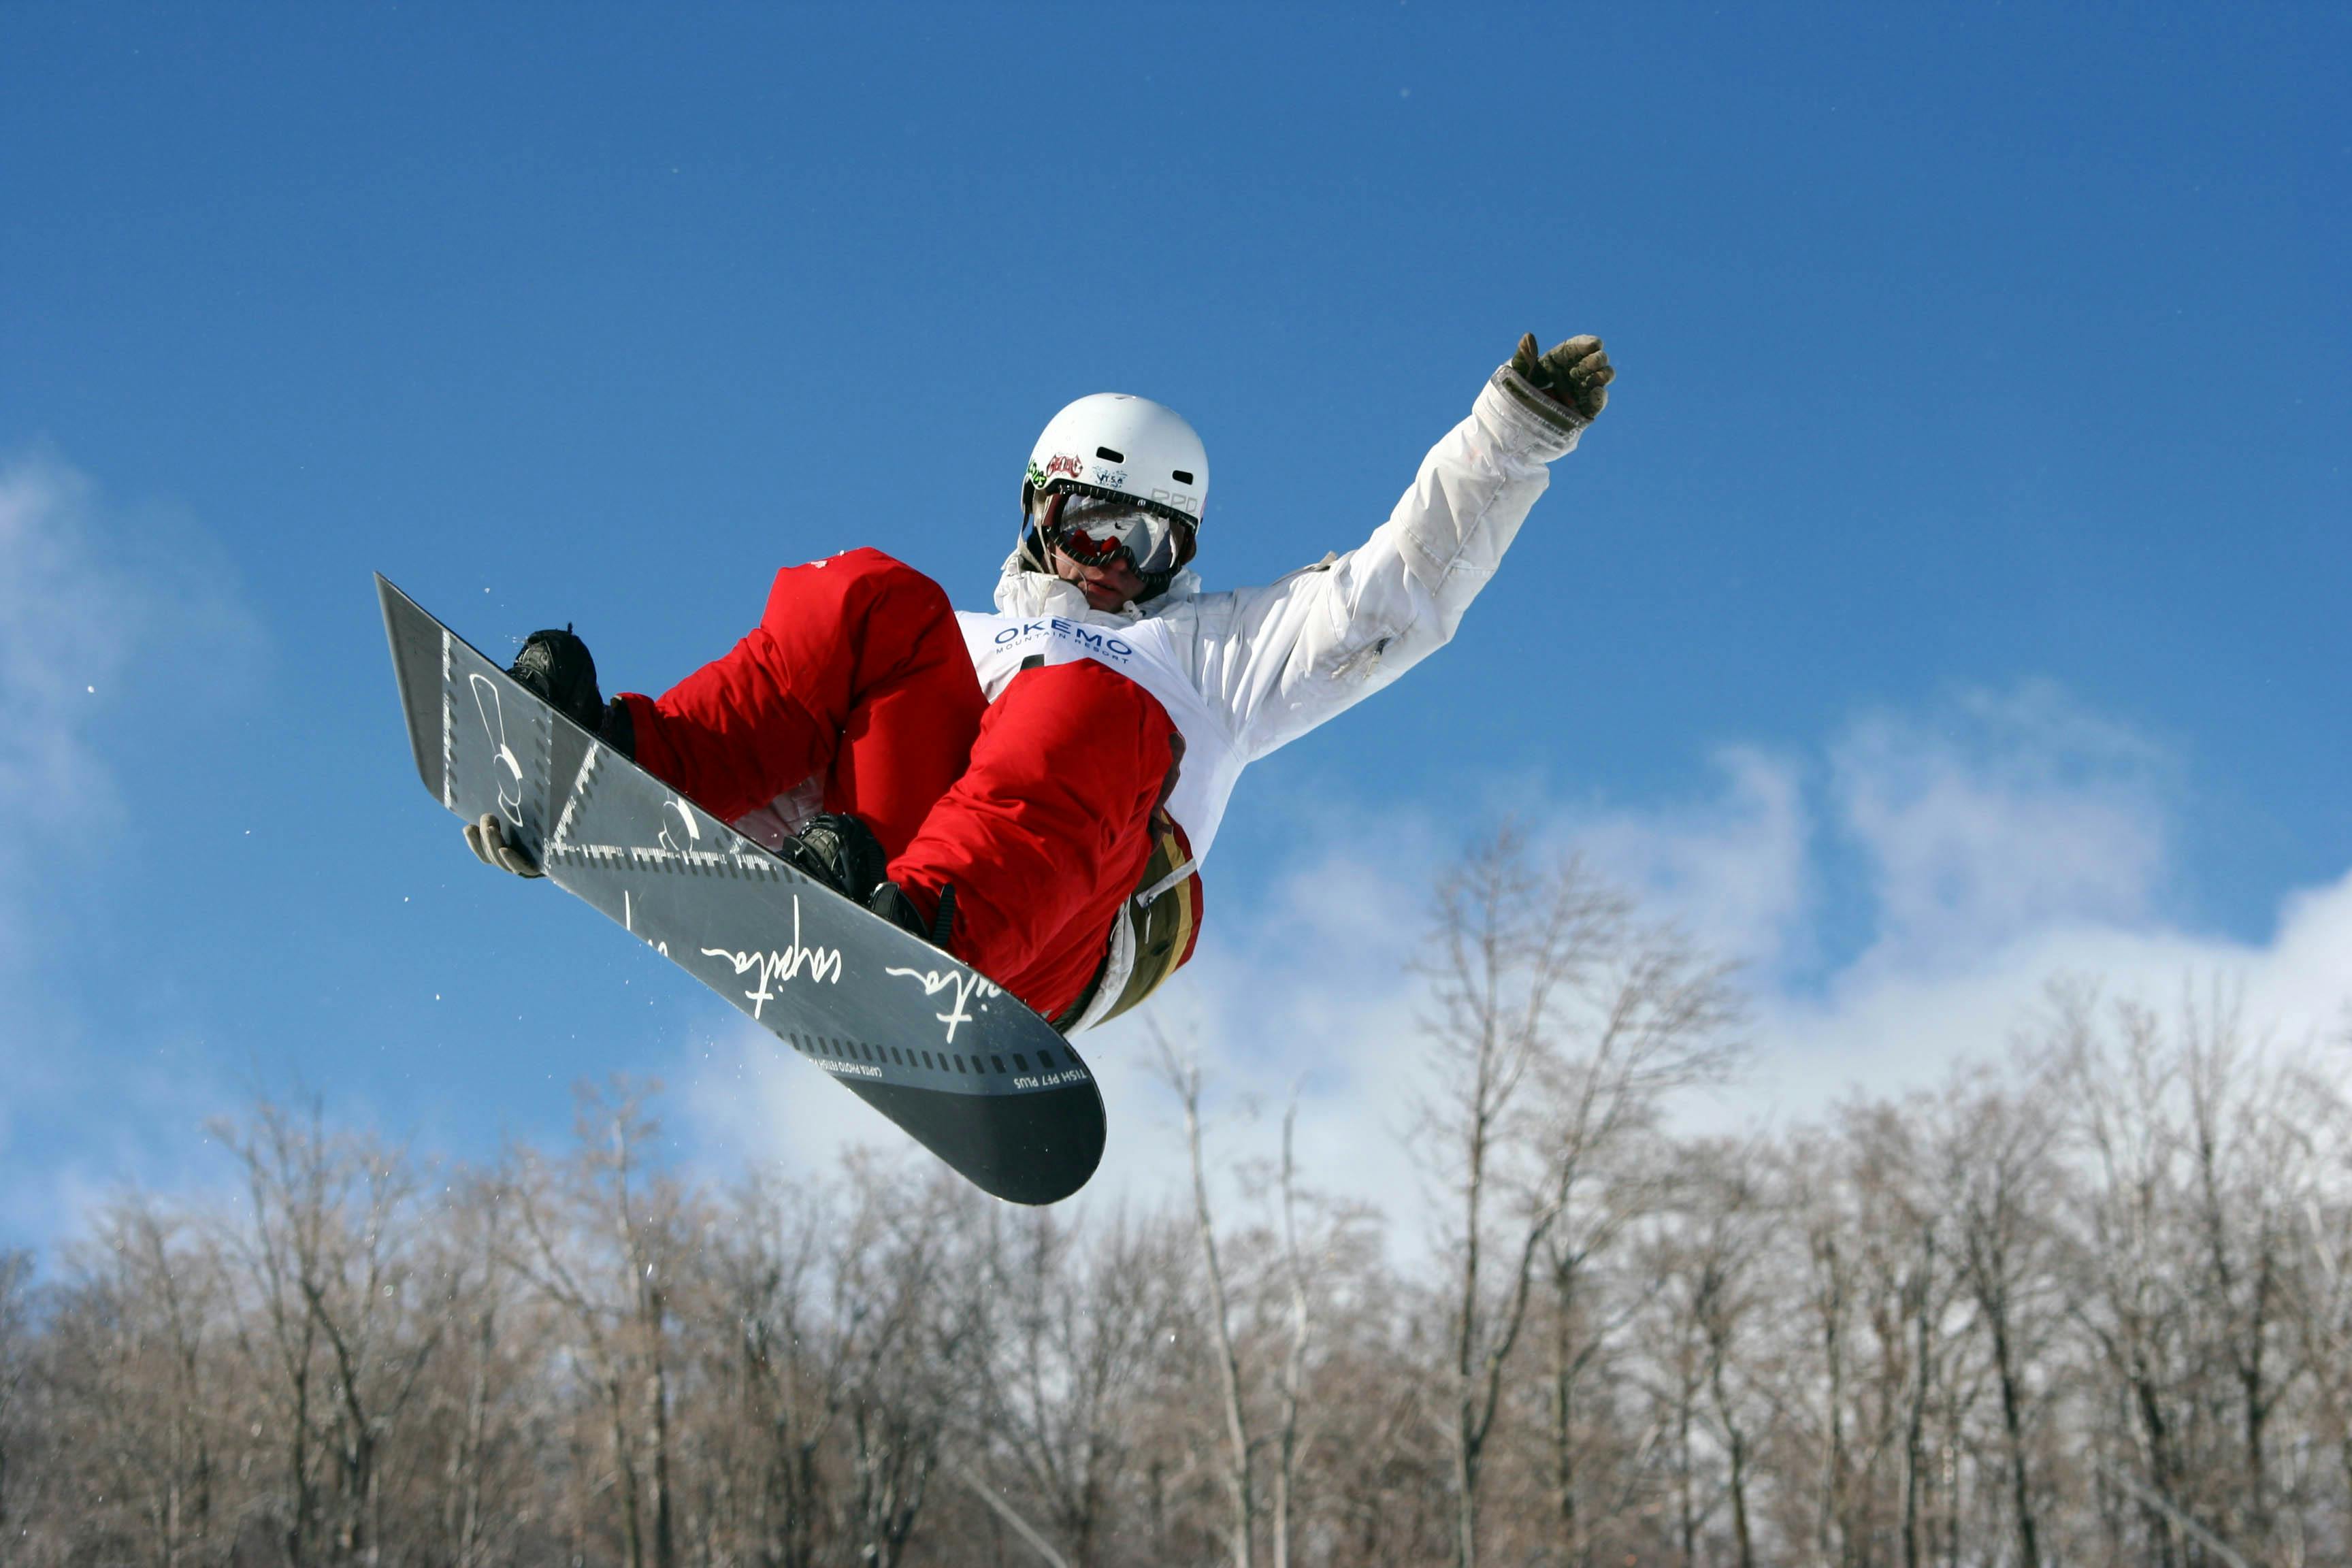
<point>1098,530</point>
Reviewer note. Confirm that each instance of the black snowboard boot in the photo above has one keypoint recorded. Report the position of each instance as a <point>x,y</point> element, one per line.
<point>890,902</point>
<point>842,852</point>
<point>556,668</point>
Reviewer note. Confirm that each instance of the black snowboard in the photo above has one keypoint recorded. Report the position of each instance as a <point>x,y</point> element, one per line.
<point>978,1078</point>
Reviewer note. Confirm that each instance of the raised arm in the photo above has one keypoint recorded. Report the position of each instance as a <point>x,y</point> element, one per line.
<point>1283,658</point>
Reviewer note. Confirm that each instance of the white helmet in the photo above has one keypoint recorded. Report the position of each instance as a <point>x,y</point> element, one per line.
<point>1134,456</point>
<point>1112,445</point>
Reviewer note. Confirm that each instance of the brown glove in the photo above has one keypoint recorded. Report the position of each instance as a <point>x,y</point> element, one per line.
<point>1577,373</point>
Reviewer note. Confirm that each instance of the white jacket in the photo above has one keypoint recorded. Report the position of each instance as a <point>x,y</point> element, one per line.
<point>1243,672</point>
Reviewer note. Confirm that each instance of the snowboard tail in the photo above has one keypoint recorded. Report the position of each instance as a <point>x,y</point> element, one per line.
<point>969,1072</point>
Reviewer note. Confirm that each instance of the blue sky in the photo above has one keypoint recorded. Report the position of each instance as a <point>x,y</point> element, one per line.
<point>1954,589</point>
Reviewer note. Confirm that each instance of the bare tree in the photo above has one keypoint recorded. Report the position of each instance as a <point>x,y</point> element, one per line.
<point>16,1357</point>
<point>2092,1304</point>
<point>1662,1020</point>
<point>915,1287</point>
<point>1559,1026</point>
<point>2320,1285</point>
<point>132,1379</point>
<point>324,1245</point>
<point>1893,1225</point>
<point>1820,1208</point>
<point>2201,1147</point>
<point>1999,1157</point>
<point>2135,1302</point>
<point>1368,1464</point>
<point>1675,1349</point>
<point>784,1368</point>
<point>1293,1385</point>
<point>481,1403</point>
<point>1728,1233</point>
<point>2248,1180</point>
<point>1512,940</point>
<point>1239,1471</point>
<point>599,1239</point>
<point>1088,1314</point>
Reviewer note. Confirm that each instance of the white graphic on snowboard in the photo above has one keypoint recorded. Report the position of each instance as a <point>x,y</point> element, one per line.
<point>966,983</point>
<point>494,724</point>
<point>820,964</point>
<point>683,813</point>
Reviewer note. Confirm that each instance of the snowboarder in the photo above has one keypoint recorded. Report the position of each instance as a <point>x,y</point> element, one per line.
<point>1034,790</point>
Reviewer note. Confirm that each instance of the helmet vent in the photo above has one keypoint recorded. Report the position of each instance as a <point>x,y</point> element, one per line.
<point>1108,456</point>
<point>1180,476</point>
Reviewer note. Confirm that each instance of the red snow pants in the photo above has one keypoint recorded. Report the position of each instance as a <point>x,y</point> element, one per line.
<point>1036,807</point>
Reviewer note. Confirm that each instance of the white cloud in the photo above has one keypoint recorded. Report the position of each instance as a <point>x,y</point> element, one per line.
<point>91,600</point>
<point>1885,1028</point>
<point>63,621</point>
<point>66,624</point>
<point>2006,815</point>
<point>754,1102</point>
<point>1733,872</point>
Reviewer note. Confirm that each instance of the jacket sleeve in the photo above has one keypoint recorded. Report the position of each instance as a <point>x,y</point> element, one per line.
<point>1283,658</point>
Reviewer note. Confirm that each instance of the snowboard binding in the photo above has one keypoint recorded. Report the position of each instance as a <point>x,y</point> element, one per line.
<point>556,668</point>
<point>840,851</point>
